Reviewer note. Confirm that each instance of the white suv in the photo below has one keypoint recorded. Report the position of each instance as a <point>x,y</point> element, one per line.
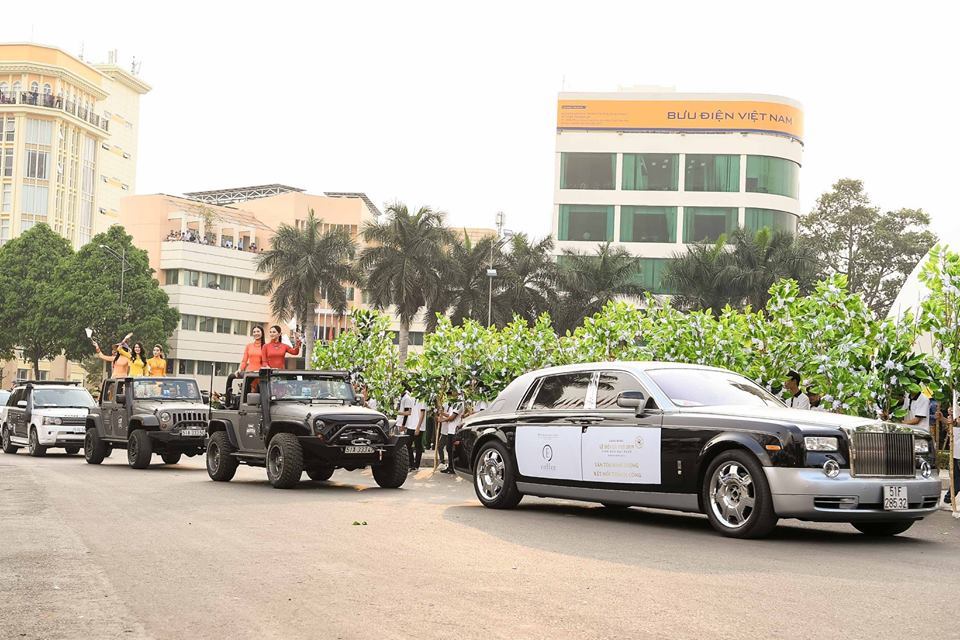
<point>44,415</point>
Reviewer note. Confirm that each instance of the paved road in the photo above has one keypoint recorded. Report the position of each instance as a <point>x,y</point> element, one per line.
<point>109,552</point>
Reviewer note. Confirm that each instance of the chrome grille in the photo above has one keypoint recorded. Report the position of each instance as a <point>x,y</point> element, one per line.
<point>882,455</point>
<point>73,421</point>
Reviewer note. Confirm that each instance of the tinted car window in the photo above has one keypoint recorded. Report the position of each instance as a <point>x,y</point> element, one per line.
<point>611,385</point>
<point>108,393</point>
<point>567,391</point>
<point>705,388</point>
<point>4,396</point>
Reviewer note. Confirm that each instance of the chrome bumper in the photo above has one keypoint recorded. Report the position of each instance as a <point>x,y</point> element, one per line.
<point>797,492</point>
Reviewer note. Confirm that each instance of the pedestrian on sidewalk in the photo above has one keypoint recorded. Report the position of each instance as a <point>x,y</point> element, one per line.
<point>949,420</point>
<point>796,398</point>
<point>450,427</point>
<point>415,423</point>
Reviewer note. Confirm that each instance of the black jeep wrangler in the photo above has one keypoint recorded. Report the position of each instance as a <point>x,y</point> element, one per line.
<point>296,421</point>
<point>147,416</point>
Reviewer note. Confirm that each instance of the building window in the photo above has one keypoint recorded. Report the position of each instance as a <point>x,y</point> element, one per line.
<point>243,285</point>
<point>756,219</point>
<point>712,173</point>
<point>223,325</point>
<point>648,224</point>
<point>414,338</point>
<point>226,368</point>
<point>6,199</point>
<point>587,170</point>
<point>651,171</point>
<point>226,283</point>
<point>186,367</point>
<point>766,174</point>
<point>240,327</point>
<point>4,231</point>
<point>204,368</point>
<point>650,274</point>
<point>188,322</point>
<point>38,164</point>
<point>261,287</point>
<point>35,199</point>
<point>707,224</point>
<point>7,162</point>
<point>192,278</point>
<point>206,323</point>
<point>39,131</point>
<point>587,223</point>
<point>172,276</point>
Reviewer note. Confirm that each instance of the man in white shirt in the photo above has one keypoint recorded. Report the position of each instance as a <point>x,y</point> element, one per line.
<point>415,422</point>
<point>453,419</point>
<point>403,410</point>
<point>917,407</point>
<point>796,398</point>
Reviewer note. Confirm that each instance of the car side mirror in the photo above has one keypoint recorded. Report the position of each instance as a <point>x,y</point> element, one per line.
<point>22,404</point>
<point>205,396</point>
<point>631,399</point>
<point>253,399</point>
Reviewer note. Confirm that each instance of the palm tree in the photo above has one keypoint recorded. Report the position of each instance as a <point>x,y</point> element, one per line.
<point>402,262</point>
<point>589,281</point>
<point>465,283</point>
<point>529,273</point>
<point>301,263</point>
<point>740,272</point>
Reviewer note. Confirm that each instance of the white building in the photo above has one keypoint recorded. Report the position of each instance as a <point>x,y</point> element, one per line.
<point>655,171</point>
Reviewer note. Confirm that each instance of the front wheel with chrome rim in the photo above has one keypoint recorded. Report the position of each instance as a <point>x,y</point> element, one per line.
<point>35,448</point>
<point>736,496</point>
<point>8,447</point>
<point>494,477</point>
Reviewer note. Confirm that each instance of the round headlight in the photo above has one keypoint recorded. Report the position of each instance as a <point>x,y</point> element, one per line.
<point>831,468</point>
<point>926,469</point>
<point>165,416</point>
<point>921,445</point>
<point>57,421</point>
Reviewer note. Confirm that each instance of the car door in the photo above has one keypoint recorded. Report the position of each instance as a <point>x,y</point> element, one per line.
<point>250,428</point>
<point>107,404</point>
<point>617,446</point>
<point>547,441</point>
<point>16,413</point>
<point>122,406</point>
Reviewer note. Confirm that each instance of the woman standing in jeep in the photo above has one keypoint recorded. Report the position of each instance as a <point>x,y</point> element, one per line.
<point>120,357</point>
<point>275,352</point>
<point>253,353</point>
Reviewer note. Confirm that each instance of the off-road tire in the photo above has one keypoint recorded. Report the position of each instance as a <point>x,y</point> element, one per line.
<point>321,474</point>
<point>762,518</point>
<point>392,473</point>
<point>94,449</point>
<point>882,529</point>
<point>284,461</point>
<point>139,450</point>
<point>221,464</point>
<point>36,449</point>
<point>8,447</point>
<point>171,457</point>
<point>72,451</point>
<point>508,496</point>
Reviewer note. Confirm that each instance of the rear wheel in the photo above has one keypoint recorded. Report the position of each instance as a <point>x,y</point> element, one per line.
<point>8,447</point>
<point>139,450</point>
<point>171,457</point>
<point>321,474</point>
<point>880,529</point>
<point>221,464</point>
<point>35,448</point>
<point>393,473</point>
<point>736,496</point>
<point>494,477</point>
<point>72,451</point>
<point>284,461</point>
<point>94,449</point>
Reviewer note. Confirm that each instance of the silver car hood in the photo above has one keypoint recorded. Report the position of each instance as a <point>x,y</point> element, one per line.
<point>805,419</point>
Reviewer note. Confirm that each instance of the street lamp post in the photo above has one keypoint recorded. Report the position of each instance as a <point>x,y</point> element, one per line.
<point>122,257</point>
<point>491,272</point>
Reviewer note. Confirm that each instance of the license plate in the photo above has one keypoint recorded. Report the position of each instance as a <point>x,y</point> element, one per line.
<point>193,433</point>
<point>358,449</point>
<point>895,497</point>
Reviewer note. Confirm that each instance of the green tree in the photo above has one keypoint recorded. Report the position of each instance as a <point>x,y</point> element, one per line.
<point>695,277</point>
<point>300,263</point>
<point>529,272</point>
<point>402,263</point>
<point>33,304</point>
<point>92,296</point>
<point>876,251</point>
<point>587,282</point>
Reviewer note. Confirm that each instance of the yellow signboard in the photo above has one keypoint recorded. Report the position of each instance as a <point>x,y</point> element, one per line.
<point>681,115</point>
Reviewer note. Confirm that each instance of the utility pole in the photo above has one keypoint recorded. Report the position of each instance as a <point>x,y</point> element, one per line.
<point>491,272</point>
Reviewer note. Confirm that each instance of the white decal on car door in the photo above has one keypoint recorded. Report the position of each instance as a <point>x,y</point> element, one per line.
<point>628,455</point>
<point>549,452</point>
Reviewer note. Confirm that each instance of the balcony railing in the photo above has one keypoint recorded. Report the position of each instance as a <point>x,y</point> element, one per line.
<point>48,101</point>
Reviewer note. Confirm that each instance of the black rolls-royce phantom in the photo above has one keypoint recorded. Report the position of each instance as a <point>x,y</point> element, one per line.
<point>696,439</point>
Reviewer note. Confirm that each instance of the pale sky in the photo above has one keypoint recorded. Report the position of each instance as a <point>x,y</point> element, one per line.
<point>455,106</point>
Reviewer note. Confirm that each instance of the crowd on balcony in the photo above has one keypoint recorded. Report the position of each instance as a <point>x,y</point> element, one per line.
<point>209,239</point>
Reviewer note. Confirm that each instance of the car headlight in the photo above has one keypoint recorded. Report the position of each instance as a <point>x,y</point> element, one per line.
<point>921,445</point>
<point>165,416</point>
<point>821,443</point>
<point>319,425</point>
<point>383,424</point>
<point>52,420</point>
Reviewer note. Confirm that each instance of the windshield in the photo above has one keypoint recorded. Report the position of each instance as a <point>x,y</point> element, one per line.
<point>72,397</point>
<point>705,388</point>
<point>306,387</point>
<point>4,396</point>
<point>166,390</point>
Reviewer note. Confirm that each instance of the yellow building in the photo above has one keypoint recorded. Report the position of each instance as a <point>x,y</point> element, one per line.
<point>68,141</point>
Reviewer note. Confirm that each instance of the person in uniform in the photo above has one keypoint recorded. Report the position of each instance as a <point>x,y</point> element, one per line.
<point>796,398</point>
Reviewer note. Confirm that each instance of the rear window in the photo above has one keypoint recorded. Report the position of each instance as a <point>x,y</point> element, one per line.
<point>566,391</point>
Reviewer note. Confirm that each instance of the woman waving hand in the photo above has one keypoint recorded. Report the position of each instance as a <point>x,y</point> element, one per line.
<point>275,352</point>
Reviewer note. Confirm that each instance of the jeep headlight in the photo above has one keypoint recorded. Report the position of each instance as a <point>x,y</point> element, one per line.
<point>921,445</point>
<point>318,426</point>
<point>164,416</point>
<point>52,420</point>
<point>821,443</point>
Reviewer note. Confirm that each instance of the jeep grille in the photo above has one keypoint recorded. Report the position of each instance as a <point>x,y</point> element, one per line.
<point>187,419</point>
